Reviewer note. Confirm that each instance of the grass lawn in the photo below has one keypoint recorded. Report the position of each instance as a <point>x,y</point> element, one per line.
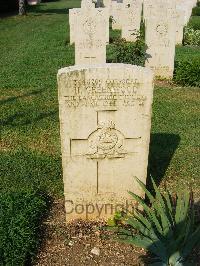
<point>32,49</point>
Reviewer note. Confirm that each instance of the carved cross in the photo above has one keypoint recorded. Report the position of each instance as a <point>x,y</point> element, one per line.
<point>105,142</point>
<point>91,59</point>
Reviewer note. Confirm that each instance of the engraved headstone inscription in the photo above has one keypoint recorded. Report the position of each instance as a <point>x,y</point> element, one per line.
<point>105,119</point>
<point>160,30</point>
<point>131,18</point>
<point>91,34</point>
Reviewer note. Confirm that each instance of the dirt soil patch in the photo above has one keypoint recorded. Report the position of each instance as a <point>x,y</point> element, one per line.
<point>84,243</point>
<point>76,243</point>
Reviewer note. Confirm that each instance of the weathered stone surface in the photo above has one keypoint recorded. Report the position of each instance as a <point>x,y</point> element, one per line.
<point>105,119</point>
<point>73,14</point>
<point>89,30</point>
<point>160,33</point>
<point>186,6</point>
<point>107,3</point>
<point>131,18</point>
<point>180,23</point>
<point>116,14</point>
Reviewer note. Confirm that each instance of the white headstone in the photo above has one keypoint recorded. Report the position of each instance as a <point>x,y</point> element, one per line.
<point>105,120</point>
<point>180,23</point>
<point>131,18</point>
<point>187,6</point>
<point>91,35</point>
<point>73,15</point>
<point>85,4</point>
<point>116,15</point>
<point>160,25</point>
<point>107,3</point>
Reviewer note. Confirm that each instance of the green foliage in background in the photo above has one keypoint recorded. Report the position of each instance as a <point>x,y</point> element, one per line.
<point>122,51</point>
<point>196,11</point>
<point>187,72</point>
<point>187,60</point>
<point>194,23</point>
<point>191,37</point>
<point>166,228</point>
<point>20,216</point>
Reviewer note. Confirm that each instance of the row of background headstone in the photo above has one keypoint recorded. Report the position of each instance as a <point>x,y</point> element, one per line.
<point>164,23</point>
<point>105,109</point>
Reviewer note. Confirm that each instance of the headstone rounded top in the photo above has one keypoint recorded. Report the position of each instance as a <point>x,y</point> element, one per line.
<point>145,70</point>
<point>87,4</point>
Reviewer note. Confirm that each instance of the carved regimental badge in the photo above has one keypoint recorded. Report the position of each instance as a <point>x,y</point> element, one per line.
<point>162,29</point>
<point>106,142</point>
<point>89,26</point>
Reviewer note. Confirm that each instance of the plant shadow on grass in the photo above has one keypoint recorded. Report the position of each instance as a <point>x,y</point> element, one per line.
<point>13,98</point>
<point>24,168</point>
<point>161,150</point>
<point>38,10</point>
<point>41,232</point>
<point>24,118</point>
<point>27,170</point>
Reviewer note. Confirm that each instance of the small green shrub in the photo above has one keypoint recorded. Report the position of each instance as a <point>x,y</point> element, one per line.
<point>194,23</point>
<point>187,72</point>
<point>191,37</point>
<point>166,227</point>
<point>121,51</point>
<point>196,11</point>
<point>20,215</point>
<point>114,34</point>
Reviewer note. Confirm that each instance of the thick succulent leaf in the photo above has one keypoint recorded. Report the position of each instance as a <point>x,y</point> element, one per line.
<point>136,224</point>
<point>139,241</point>
<point>175,258</point>
<point>169,204</point>
<point>188,229</point>
<point>180,264</point>
<point>159,263</point>
<point>166,225</point>
<point>161,209</point>
<point>147,244</point>
<point>182,218</point>
<point>148,232</point>
<point>191,242</point>
<point>148,211</point>
<point>142,219</point>
<point>124,232</point>
<point>111,228</point>
<point>142,185</point>
<point>182,207</point>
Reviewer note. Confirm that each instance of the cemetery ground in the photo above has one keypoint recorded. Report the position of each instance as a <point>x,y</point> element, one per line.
<point>32,50</point>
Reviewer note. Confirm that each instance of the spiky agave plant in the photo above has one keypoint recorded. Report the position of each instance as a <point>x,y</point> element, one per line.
<point>166,228</point>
